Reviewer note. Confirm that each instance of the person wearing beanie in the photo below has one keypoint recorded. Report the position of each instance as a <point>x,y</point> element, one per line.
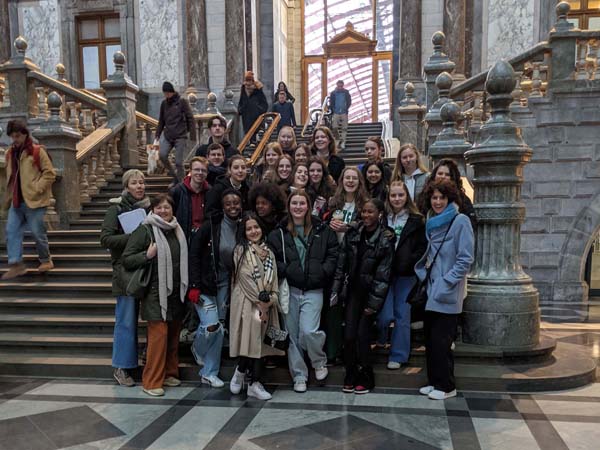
<point>253,102</point>
<point>175,122</point>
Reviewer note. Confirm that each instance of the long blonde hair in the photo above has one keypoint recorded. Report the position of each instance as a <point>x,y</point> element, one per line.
<point>399,171</point>
<point>409,205</point>
<point>361,196</point>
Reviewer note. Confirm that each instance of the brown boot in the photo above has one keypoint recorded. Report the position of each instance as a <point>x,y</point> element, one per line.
<point>14,271</point>
<point>46,267</point>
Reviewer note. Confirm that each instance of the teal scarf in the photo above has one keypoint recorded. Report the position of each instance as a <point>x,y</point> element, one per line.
<point>441,219</point>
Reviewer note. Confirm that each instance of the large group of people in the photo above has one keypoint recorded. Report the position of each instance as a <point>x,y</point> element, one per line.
<point>298,256</point>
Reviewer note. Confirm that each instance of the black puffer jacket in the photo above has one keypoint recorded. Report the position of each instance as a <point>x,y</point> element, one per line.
<point>373,268</point>
<point>412,244</point>
<point>320,260</point>
<point>204,256</point>
<point>214,196</point>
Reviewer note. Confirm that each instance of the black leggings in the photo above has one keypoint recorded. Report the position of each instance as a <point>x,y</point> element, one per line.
<point>250,366</point>
<point>357,348</point>
<point>440,333</point>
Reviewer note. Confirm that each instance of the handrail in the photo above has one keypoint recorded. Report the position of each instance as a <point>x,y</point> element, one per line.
<point>66,88</point>
<point>96,139</point>
<point>322,110</point>
<point>386,135</point>
<point>146,119</point>
<point>254,128</point>
<point>263,142</point>
<point>516,62</point>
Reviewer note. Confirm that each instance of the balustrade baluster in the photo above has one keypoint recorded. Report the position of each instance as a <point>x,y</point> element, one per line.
<point>42,102</point>
<point>74,114</point>
<point>108,164</point>
<point>92,180</point>
<point>115,157</point>
<point>83,183</point>
<point>517,94</point>
<point>101,180</point>
<point>536,80</point>
<point>87,126</point>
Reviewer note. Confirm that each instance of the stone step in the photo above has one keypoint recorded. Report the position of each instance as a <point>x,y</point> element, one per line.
<point>34,305</point>
<point>86,224</point>
<point>57,323</point>
<point>49,288</point>
<point>61,274</point>
<point>60,260</point>
<point>70,247</point>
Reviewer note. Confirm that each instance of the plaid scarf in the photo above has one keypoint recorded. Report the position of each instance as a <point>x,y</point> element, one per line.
<point>264,277</point>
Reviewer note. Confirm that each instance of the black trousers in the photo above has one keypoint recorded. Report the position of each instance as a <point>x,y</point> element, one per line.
<point>251,366</point>
<point>440,333</point>
<point>357,346</point>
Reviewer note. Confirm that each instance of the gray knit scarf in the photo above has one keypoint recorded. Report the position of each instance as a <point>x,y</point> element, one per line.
<point>165,263</point>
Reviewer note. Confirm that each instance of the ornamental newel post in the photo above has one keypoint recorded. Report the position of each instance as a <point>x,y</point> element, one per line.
<point>443,83</point>
<point>501,309</point>
<point>451,141</point>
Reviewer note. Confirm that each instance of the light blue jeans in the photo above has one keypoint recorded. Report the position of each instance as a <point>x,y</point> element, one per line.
<point>208,344</point>
<point>125,338</point>
<point>302,322</point>
<point>18,220</point>
<point>397,310</point>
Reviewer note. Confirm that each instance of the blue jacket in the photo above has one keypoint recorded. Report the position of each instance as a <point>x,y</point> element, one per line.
<point>286,111</point>
<point>447,287</point>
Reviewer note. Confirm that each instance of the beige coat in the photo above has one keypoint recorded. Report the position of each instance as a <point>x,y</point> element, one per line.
<point>36,185</point>
<point>246,329</point>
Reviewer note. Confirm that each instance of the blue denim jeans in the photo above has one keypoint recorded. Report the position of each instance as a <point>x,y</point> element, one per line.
<point>302,322</point>
<point>125,340</point>
<point>209,343</point>
<point>18,220</point>
<point>397,310</point>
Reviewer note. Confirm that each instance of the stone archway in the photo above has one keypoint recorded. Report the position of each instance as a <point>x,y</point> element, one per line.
<point>570,284</point>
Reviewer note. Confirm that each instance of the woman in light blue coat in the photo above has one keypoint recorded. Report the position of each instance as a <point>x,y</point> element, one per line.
<point>450,236</point>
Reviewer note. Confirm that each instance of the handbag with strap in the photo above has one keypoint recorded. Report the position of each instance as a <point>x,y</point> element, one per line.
<point>139,281</point>
<point>284,287</point>
<point>277,337</point>
<point>417,297</point>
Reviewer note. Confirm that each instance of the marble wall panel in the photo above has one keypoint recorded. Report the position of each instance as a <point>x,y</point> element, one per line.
<point>510,28</point>
<point>160,43</point>
<point>39,25</point>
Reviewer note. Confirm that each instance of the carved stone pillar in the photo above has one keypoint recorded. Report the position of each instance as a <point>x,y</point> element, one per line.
<point>501,309</point>
<point>410,118</point>
<point>434,120</point>
<point>407,59</point>
<point>22,98</point>
<point>564,46</point>
<point>235,50</point>
<point>121,94</point>
<point>197,50</point>
<point>61,140</point>
<point>5,35</point>
<point>437,63</point>
<point>455,15</point>
<point>450,142</point>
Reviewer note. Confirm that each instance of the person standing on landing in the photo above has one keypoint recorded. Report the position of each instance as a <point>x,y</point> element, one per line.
<point>175,122</point>
<point>339,103</point>
<point>252,102</point>
<point>285,110</point>
<point>113,238</point>
<point>451,238</point>
<point>30,176</point>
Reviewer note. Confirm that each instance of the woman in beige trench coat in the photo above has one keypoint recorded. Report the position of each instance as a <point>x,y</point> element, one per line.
<point>254,295</point>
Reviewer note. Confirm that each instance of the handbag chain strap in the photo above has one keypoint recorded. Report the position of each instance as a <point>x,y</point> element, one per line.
<point>438,250</point>
<point>283,245</point>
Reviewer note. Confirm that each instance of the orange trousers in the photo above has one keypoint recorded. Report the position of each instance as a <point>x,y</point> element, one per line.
<point>162,354</point>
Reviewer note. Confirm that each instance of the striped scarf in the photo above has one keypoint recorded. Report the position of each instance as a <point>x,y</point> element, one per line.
<point>264,277</point>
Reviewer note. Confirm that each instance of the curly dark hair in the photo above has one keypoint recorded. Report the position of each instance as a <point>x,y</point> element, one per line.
<point>270,192</point>
<point>452,168</point>
<point>447,188</point>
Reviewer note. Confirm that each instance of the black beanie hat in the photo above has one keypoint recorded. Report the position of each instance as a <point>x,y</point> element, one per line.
<point>168,87</point>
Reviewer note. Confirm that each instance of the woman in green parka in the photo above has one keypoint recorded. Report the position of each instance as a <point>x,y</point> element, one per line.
<point>113,238</point>
<point>160,241</point>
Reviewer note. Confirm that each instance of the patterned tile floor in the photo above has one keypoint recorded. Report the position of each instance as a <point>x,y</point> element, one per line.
<point>39,414</point>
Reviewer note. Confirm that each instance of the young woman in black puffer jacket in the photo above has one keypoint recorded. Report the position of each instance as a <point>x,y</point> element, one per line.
<point>361,282</point>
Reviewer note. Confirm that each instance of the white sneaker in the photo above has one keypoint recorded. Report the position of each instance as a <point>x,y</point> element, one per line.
<point>426,390</point>
<point>172,382</point>
<point>441,395</point>
<point>157,392</point>
<point>213,381</point>
<point>186,336</point>
<point>237,382</point>
<point>300,386</point>
<point>393,365</point>
<point>321,373</point>
<point>197,357</point>
<point>258,391</point>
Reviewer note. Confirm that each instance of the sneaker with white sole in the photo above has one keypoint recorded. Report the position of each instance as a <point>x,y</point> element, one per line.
<point>172,382</point>
<point>123,377</point>
<point>321,373</point>
<point>237,382</point>
<point>300,386</point>
<point>426,390</point>
<point>197,357</point>
<point>393,365</point>
<point>441,395</point>
<point>257,390</point>
<point>158,392</point>
<point>213,381</point>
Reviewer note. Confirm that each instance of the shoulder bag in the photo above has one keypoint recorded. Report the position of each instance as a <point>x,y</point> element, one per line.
<point>417,297</point>
<point>276,337</point>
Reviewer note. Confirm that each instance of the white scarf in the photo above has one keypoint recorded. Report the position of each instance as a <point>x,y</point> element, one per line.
<point>165,262</point>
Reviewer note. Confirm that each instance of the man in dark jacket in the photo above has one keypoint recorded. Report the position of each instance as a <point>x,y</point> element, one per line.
<point>253,102</point>
<point>285,110</point>
<point>339,103</point>
<point>188,197</point>
<point>216,129</point>
<point>175,122</point>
